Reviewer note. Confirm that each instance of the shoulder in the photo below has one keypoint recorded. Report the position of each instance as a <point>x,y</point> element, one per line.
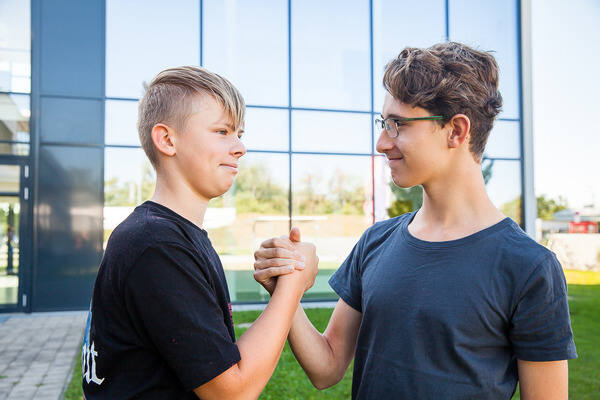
<point>382,230</point>
<point>521,250</point>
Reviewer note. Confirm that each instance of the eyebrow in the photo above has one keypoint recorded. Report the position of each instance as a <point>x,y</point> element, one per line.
<point>229,125</point>
<point>396,116</point>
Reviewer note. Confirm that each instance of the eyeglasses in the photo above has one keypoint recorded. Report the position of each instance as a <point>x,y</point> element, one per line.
<point>391,125</point>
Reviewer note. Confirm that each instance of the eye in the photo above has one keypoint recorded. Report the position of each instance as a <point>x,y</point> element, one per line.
<point>222,132</point>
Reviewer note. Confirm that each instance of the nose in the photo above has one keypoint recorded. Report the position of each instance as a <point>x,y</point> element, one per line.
<point>384,143</point>
<point>237,149</point>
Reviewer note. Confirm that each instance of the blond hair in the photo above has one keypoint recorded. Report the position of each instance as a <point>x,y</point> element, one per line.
<point>167,100</point>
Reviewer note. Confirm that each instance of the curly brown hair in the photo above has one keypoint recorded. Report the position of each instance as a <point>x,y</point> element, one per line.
<point>448,79</point>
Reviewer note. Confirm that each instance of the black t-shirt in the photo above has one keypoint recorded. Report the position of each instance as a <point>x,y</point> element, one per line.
<point>160,321</point>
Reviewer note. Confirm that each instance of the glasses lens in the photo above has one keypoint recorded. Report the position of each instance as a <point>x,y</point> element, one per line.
<point>379,123</point>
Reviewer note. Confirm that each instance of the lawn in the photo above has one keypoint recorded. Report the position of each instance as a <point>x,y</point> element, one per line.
<point>289,381</point>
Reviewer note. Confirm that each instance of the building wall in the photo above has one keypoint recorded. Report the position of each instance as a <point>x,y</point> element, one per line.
<point>310,72</point>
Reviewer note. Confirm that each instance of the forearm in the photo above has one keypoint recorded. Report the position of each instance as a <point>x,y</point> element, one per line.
<point>261,345</point>
<point>314,352</point>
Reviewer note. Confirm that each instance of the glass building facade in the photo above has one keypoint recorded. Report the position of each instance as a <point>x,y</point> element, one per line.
<point>71,167</point>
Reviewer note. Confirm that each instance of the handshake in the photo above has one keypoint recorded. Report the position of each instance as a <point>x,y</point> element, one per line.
<point>286,255</point>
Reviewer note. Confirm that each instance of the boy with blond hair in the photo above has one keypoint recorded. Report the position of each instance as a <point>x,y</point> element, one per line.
<point>160,323</point>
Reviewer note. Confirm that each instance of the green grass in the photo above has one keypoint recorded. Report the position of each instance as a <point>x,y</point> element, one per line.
<point>290,382</point>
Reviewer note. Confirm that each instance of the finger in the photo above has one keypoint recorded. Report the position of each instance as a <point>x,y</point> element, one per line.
<point>264,274</point>
<point>277,252</point>
<point>281,241</point>
<point>295,234</point>
<point>278,262</point>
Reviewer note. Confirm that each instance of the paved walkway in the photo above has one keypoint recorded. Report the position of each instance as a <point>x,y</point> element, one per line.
<point>37,353</point>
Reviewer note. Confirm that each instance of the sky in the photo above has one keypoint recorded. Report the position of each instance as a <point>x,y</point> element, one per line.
<point>566,99</point>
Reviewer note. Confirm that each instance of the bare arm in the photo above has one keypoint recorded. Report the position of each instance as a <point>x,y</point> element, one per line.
<point>325,357</point>
<point>261,345</point>
<point>548,380</point>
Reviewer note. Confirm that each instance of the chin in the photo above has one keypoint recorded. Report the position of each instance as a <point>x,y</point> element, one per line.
<point>404,182</point>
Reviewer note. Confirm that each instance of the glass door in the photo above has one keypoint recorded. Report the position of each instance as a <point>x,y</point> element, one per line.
<point>10,236</point>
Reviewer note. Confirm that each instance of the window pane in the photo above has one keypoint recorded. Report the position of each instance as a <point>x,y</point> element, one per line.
<point>504,140</point>
<point>422,24</point>
<point>383,193</point>
<point>145,37</point>
<point>128,181</point>
<point>330,54</point>
<point>254,209</point>
<point>120,122</point>
<point>246,41</point>
<point>491,25</point>
<point>504,186</point>
<point>15,46</point>
<point>331,132</point>
<point>14,124</point>
<point>266,129</point>
<point>14,117</point>
<point>332,207</point>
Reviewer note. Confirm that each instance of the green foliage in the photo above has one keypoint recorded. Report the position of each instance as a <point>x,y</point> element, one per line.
<point>130,193</point>
<point>512,209</point>
<point>546,207</point>
<point>407,200</point>
<point>254,191</point>
<point>411,199</point>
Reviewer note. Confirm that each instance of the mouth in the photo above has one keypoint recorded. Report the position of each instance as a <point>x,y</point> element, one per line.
<point>233,167</point>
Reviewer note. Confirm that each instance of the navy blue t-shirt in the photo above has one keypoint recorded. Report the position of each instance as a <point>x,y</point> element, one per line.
<point>448,320</point>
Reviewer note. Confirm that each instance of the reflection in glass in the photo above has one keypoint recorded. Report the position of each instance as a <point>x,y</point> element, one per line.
<point>120,122</point>
<point>332,207</point>
<point>491,25</point>
<point>330,54</point>
<point>14,124</point>
<point>143,38</point>
<point>15,46</point>
<point>9,234</point>
<point>383,193</point>
<point>331,132</point>
<point>266,129</point>
<point>504,186</point>
<point>254,209</point>
<point>397,25</point>
<point>504,140</point>
<point>246,41</point>
<point>129,180</point>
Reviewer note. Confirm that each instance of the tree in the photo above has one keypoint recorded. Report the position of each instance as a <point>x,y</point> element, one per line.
<point>255,192</point>
<point>410,199</point>
<point>546,207</point>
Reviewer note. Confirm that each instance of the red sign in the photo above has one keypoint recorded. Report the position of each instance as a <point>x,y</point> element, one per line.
<point>583,227</point>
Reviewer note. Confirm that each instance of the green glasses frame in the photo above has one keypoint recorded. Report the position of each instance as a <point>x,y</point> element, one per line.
<point>383,123</point>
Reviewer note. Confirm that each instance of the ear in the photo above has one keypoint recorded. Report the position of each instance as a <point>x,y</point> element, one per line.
<point>163,139</point>
<point>460,129</point>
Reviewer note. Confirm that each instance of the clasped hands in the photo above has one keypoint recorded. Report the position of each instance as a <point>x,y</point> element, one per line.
<point>285,255</point>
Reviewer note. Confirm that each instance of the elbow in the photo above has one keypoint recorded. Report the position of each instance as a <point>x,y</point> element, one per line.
<point>324,382</point>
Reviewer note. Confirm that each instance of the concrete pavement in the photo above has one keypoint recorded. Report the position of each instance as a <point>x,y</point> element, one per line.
<point>37,353</point>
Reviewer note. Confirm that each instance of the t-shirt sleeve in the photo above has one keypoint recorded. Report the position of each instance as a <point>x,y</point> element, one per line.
<point>171,301</point>
<point>540,328</point>
<point>347,280</point>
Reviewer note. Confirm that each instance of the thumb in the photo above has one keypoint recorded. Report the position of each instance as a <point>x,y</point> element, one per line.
<point>295,234</point>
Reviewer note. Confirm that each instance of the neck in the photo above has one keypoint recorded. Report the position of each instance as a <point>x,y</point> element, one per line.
<point>456,205</point>
<point>175,194</point>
